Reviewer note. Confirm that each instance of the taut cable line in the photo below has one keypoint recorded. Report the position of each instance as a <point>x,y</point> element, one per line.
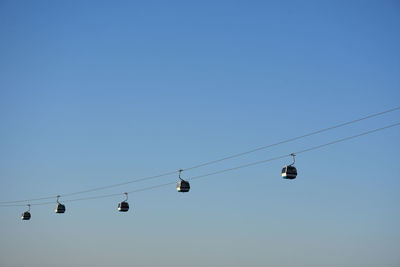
<point>208,162</point>
<point>224,170</point>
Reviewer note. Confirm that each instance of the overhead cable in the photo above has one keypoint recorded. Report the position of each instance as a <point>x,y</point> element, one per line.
<point>208,162</point>
<point>224,170</point>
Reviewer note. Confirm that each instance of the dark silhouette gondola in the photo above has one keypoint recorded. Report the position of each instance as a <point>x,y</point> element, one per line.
<point>182,186</point>
<point>60,208</point>
<point>289,171</point>
<point>124,206</point>
<point>26,215</point>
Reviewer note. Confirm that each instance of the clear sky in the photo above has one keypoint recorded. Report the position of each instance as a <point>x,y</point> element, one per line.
<point>100,92</point>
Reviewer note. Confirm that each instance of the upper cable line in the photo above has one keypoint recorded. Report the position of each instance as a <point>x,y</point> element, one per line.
<point>220,171</point>
<point>208,162</point>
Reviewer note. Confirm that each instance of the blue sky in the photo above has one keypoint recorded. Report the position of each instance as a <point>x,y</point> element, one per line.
<point>99,92</point>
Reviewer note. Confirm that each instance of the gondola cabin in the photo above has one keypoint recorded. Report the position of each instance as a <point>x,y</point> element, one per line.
<point>289,172</point>
<point>60,208</point>
<point>26,216</point>
<point>123,206</point>
<point>183,186</point>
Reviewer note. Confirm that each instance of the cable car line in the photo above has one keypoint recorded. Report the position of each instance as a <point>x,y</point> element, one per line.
<point>93,189</point>
<point>224,170</point>
<point>93,197</point>
<point>120,184</point>
<point>208,162</point>
<point>292,139</point>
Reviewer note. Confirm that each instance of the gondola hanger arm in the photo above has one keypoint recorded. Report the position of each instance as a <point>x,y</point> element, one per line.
<point>294,159</point>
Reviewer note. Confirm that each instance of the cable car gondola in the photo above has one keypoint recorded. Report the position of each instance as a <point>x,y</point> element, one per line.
<point>124,206</point>
<point>60,208</point>
<point>182,186</point>
<point>26,215</point>
<point>289,171</point>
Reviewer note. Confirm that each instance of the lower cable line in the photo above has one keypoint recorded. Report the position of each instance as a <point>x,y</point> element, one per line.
<point>217,172</point>
<point>208,162</point>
